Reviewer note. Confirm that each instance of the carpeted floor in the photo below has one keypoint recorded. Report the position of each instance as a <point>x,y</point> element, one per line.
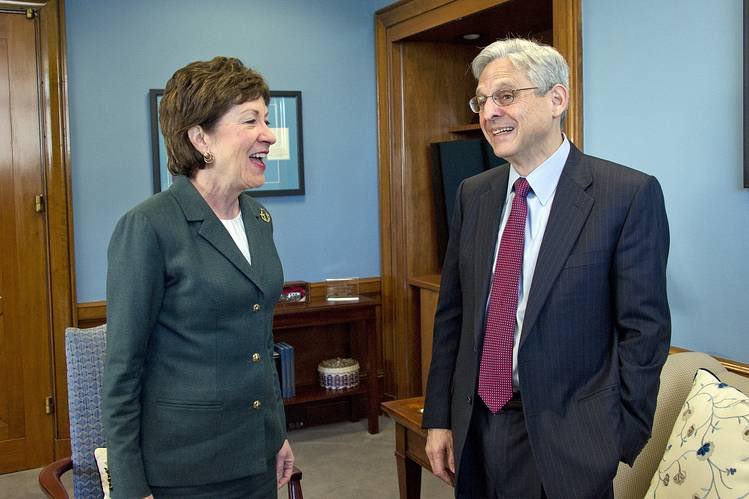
<point>338,460</point>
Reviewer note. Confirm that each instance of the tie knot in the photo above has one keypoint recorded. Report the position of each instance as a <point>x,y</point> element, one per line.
<point>522,187</point>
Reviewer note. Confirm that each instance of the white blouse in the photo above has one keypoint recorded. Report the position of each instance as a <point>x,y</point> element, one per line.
<point>235,226</point>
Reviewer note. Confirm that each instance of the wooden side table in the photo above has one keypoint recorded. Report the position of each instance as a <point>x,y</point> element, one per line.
<point>410,440</point>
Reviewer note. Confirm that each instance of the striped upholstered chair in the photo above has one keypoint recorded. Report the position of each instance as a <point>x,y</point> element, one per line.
<point>84,351</point>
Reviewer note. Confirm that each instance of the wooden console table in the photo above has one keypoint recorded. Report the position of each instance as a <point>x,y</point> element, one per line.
<point>410,440</point>
<point>305,325</point>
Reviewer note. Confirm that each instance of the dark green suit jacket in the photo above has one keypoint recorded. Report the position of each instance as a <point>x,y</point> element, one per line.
<point>190,392</point>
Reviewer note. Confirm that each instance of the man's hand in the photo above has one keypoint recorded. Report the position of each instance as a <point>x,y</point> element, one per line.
<point>439,449</point>
<point>284,464</point>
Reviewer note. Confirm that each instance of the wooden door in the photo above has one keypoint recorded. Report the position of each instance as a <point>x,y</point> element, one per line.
<point>26,430</point>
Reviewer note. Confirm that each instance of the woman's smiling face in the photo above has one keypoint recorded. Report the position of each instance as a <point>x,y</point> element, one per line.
<point>239,142</point>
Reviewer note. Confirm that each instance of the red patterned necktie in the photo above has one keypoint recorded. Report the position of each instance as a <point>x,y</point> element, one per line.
<point>495,373</point>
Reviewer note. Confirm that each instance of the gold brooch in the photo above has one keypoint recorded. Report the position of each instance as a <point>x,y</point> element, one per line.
<point>264,215</point>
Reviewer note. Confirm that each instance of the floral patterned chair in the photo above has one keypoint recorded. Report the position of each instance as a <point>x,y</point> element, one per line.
<point>676,383</point>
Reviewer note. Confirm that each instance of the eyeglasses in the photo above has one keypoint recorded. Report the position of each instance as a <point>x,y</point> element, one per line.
<point>502,98</point>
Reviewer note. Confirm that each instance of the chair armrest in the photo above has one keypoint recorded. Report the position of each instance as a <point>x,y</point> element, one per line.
<point>49,478</point>
<point>51,485</point>
<point>295,486</point>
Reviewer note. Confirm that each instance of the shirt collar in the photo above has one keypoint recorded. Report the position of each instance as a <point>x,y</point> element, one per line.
<point>544,179</point>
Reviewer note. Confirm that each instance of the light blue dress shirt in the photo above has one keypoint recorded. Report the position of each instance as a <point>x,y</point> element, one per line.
<point>543,182</point>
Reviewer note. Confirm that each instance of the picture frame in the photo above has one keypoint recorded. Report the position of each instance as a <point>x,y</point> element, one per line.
<point>162,179</point>
<point>284,174</point>
<point>746,93</point>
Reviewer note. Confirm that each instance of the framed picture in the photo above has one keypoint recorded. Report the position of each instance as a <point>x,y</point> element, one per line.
<point>162,179</point>
<point>746,93</point>
<point>284,174</point>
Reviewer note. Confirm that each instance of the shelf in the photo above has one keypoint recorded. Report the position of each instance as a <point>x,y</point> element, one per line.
<point>315,393</point>
<point>467,129</point>
<point>355,329</point>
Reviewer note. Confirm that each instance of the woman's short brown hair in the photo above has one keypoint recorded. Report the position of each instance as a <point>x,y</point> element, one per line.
<point>199,94</point>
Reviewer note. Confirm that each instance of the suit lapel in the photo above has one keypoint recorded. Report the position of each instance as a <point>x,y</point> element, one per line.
<point>491,203</point>
<point>569,212</point>
<point>211,229</point>
<point>256,229</point>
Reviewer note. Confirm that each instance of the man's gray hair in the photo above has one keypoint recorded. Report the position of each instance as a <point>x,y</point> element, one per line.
<point>544,66</point>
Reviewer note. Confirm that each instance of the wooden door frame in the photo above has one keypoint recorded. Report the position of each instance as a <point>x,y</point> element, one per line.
<point>58,193</point>
<point>393,24</point>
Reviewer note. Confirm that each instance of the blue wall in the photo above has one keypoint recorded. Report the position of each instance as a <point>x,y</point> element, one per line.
<point>117,50</point>
<point>663,94</point>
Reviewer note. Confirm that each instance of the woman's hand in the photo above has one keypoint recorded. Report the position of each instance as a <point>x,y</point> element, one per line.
<point>284,464</point>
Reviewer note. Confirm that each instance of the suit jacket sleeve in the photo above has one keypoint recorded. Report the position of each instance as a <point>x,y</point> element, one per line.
<point>448,321</point>
<point>642,314</point>
<point>135,286</point>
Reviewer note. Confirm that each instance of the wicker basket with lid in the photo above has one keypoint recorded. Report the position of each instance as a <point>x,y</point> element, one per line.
<point>338,373</point>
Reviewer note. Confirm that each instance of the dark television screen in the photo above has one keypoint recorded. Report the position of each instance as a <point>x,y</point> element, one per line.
<point>452,162</point>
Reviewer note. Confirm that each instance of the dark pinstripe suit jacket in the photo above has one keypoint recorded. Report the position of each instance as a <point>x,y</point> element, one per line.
<point>185,314</point>
<point>597,324</point>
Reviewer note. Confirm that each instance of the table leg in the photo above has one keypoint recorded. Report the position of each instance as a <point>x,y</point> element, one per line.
<point>409,472</point>
<point>373,395</point>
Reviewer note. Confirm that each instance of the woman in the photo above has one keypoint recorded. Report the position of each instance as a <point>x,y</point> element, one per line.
<point>191,401</point>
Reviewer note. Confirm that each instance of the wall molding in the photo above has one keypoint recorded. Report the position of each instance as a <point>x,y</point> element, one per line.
<point>94,313</point>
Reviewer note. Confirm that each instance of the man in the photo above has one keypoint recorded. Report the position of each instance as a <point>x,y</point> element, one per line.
<point>553,323</point>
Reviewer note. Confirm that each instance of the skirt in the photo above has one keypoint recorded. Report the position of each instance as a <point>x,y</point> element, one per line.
<point>261,486</point>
